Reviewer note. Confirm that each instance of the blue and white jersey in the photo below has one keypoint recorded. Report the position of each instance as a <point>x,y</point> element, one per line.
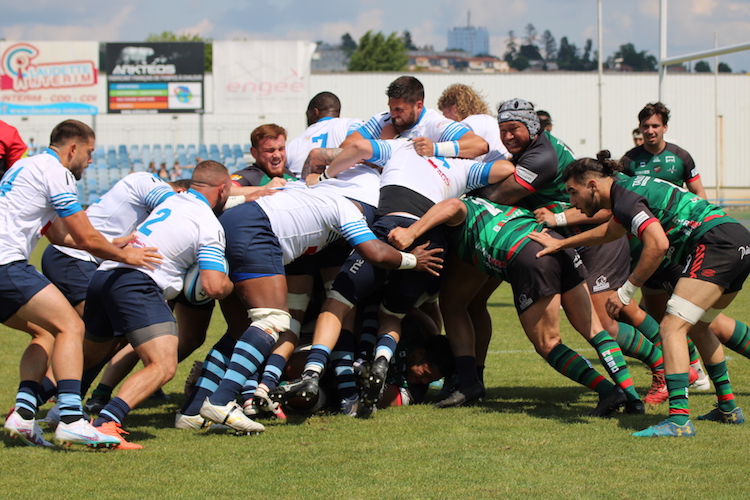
<point>430,124</point>
<point>486,127</point>
<point>327,132</point>
<point>123,207</point>
<point>360,182</point>
<point>185,229</point>
<point>435,178</point>
<point>32,193</point>
<point>305,221</point>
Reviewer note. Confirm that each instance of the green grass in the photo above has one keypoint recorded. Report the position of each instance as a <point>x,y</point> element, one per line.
<point>528,438</point>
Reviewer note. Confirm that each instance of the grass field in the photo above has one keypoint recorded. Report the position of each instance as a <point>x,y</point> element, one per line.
<point>528,438</point>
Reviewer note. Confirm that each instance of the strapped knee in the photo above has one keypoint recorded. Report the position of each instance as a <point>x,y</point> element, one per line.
<point>271,321</point>
<point>711,314</point>
<point>298,301</point>
<point>684,309</point>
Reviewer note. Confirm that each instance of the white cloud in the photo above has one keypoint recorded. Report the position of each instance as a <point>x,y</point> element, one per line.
<point>203,29</point>
<point>105,31</point>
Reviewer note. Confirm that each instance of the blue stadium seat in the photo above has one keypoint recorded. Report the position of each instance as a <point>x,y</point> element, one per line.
<point>213,149</point>
<point>191,149</point>
<point>203,151</point>
<point>181,149</point>
<point>139,166</point>
<point>134,152</point>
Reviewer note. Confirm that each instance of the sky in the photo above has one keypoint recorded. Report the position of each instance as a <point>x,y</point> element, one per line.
<point>691,23</point>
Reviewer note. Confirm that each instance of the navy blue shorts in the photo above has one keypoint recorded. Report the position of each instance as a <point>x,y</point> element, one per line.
<point>357,279</point>
<point>19,282</point>
<point>120,301</point>
<point>253,250</point>
<point>70,275</point>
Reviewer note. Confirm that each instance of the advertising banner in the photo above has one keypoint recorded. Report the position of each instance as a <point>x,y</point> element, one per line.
<point>49,78</point>
<point>261,77</point>
<point>164,77</point>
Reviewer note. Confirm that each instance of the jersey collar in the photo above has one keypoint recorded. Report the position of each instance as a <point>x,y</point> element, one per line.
<point>53,153</point>
<point>325,118</point>
<point>198,195</point>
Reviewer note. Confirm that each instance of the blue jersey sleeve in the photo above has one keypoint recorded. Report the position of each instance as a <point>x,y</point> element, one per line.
<point>357,232</point>
<point>479,176</point>
<point>212,258</point>
<point>381,152</point>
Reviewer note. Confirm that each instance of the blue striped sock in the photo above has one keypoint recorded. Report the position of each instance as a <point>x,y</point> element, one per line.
<point>214,367</point>
<point>342,360</point>
<point>248,390</point>
<point>69,399</point>
<point>386,347</point>
<point>116,410</point>
<point>26,398</point>
<point>317,359</point>
<point>248,355</point>
<point>272,373</point>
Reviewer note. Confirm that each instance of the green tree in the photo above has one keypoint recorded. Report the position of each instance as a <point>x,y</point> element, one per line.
<point>724,68</point>
<point>348,44</point>
<point>520,63</point>
<point>531,34</point>
<point>511,47</point>
<point>702,67</point>
<point>170,36</point>
<point>637,61</point>
<point>378,53</point>
<point>549,45</point>
<point>567,55</point>
<point>408,43</point>
<point>530,52</point>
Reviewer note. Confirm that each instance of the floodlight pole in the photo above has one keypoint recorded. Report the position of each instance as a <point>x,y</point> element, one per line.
<point>600,69</point>
<point>662,45</point>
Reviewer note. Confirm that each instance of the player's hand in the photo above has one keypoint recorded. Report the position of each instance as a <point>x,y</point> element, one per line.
<point>260,192</point>
<point>400,237</point>
<point>123,240</point>
<point>550,244</point>
<point>423,146</point>
<point>312,179</point>
<point>427,260</point>
<point>276,182</point>
<point>141,257</point>
<point>614,305</point>
<point>545,216</point>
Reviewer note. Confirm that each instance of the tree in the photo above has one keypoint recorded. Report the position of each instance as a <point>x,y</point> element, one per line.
<point>348,44</point>
<point>170,36</point>
<point>531,34</point>
<point>511,47</point>
<point>636,61</point>
<point>724,68</point>
<point>549,45</point>
<point>530,52</point>
<point>567,55</point>
<point>378,53</point>
<point>702,67</point>
<point>520,63</point>
<point>408,43</point>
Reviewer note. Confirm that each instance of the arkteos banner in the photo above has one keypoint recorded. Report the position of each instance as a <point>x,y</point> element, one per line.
<point>155,77</point>
<point>261,77</point>
<point>49,78</point>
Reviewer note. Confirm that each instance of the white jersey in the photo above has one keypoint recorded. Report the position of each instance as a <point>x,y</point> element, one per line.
<point>32,193</point>
<point>486,127</point>
<point>327,132</point>
<point>307,220</point>
<point>360,183</point>
<point>430,124</point>
<point>123,207</point>
<point>185,229</point>
<point>435,178</point>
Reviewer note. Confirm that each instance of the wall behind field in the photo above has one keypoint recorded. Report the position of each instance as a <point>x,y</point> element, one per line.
<point>571,99</point>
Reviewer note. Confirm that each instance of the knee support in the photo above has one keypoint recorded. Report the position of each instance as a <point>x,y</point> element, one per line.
<point>684,309</point>
<point>272,321</point>
<point>711,314</point>
<point>298,301</point>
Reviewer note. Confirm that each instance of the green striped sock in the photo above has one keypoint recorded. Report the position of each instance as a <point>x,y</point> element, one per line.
<point>577,368</point>
<point>613,361</point>
<point>636,345</point>
<point>650,328</point>
<point>720,377</point>
<point>740,340</point>
<point>679,409</point>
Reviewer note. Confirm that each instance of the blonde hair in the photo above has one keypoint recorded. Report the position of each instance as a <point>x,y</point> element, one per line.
<point>467,101</point>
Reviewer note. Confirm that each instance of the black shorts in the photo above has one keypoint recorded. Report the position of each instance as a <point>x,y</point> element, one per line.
<point>334,255</point>
<point>357,279</point>
<point>722,257</point>
<point>665,278</point>
<point>533,279</point>
<point>608,265</point>
<point>69,274</point>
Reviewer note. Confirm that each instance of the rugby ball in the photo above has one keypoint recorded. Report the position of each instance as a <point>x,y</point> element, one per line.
<point>193,289</point>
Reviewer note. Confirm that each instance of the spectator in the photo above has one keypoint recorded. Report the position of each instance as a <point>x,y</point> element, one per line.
<point>163,172</point>
<point>12,147</point>
<point>176,173</point>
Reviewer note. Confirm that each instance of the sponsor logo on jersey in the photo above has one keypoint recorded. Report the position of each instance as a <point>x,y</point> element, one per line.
<point>744,250</point>
<point>526,174</point>
<point>670,159</point>
<point>656,159</point>
<point>637,221</point>
<point>601,284</point>
<point>657,169</point>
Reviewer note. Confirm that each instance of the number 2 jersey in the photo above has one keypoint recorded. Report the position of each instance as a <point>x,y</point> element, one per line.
<point>184,229</point>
